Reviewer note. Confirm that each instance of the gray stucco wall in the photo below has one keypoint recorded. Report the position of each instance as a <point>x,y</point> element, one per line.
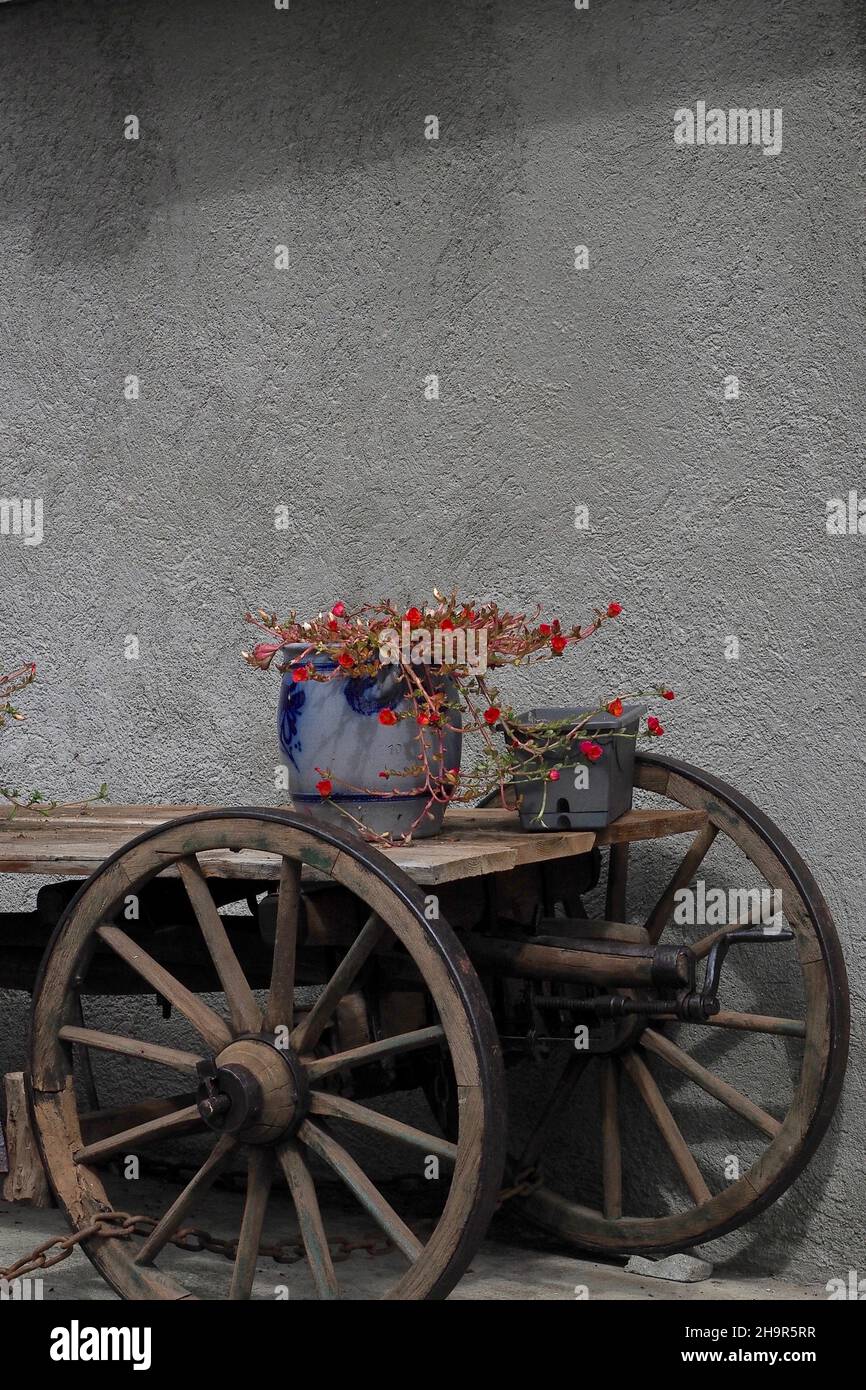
<point>305,387</point>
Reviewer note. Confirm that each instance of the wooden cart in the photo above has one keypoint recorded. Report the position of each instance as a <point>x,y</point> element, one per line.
<point>303,977</point>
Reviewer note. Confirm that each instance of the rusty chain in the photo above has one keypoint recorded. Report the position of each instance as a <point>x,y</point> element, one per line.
<point>116,1223</point>
<point>193,1239</point>
<point>526,1181</point>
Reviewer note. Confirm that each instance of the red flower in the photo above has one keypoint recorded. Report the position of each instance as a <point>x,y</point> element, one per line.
<point>299,673</point>
<point>413,616</point>
<point>338,609</point>
<point>590,749</point>
<point>668,695</point>
<point>346,660</point>
<point>446,625</point>
<point>491,715</point>
<point>333,625</point>
<point>554,774</point>
<point>325,787</point>
<point>384,774</point>
<point>614,610</point>
<point>615,707</point>
<point>654,726</point>
<point>387,716</point>
<point>557,625</point>
<point>558,643</point>
<point>262,651</point>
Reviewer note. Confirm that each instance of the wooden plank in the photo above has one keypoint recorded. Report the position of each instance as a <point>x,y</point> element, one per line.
<point>83,856</point>
<point>99,813</point>
<point>430,863</point>
<point>26,1180</point>
<point>652,824</point>
<point>639,824</point>
<point>476,842</point>
<point>462,823</point>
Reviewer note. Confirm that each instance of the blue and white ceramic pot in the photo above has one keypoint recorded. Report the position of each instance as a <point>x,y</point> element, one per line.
<point>332,729</point>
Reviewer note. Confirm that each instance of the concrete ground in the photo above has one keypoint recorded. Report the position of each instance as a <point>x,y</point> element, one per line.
<point>507,1266</point>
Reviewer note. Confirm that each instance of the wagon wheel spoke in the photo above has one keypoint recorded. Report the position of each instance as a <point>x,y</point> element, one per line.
<point>259,1178</point>
<point>757,1023</point>
<point>245,1012</point>
<point>150,1132</point>
<point>374,1052</point>
<point>205,1020</point>
<point>281,996</point>
<point>685,872</point>
<point>310,1029</point>
<point>667,1127</point>
<point>131,1047</point>
<point>338,1107</point>
<point>306,1202</point>
<point>662,1047</point>
<point>611,1146</point>
<point>558,1098</point>
<point>195,1188</point>
<point>366,1192</point>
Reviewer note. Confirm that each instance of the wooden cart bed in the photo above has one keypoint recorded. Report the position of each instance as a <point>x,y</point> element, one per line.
<point>74,843</point>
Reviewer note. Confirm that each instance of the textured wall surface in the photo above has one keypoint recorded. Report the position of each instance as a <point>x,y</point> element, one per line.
<point>305,386</point>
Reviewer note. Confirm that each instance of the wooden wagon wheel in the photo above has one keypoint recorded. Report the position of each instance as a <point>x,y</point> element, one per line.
<point>649,1056</point>
<point>271,1104</point>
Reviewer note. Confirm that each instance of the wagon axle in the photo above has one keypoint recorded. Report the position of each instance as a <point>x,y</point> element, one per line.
<point>690,1005</point>
<point>590,962</point>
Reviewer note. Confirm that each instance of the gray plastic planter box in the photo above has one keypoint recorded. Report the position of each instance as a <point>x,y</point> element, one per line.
<point>587,796</point>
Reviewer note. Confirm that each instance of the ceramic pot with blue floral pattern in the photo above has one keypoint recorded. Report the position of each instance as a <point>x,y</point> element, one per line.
<point>331,730</point>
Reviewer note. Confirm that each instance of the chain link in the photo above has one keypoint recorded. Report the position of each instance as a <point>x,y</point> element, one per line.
<point>191,1239</point>
<point>108,1223</point>
<point>527,1181</point>
<point>112,1225</point>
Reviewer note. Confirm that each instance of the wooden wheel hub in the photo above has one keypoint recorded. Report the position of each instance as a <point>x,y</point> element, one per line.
<point>253,1089</point>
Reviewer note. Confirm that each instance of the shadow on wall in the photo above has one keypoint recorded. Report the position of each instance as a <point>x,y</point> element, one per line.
<point>239,98</point>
